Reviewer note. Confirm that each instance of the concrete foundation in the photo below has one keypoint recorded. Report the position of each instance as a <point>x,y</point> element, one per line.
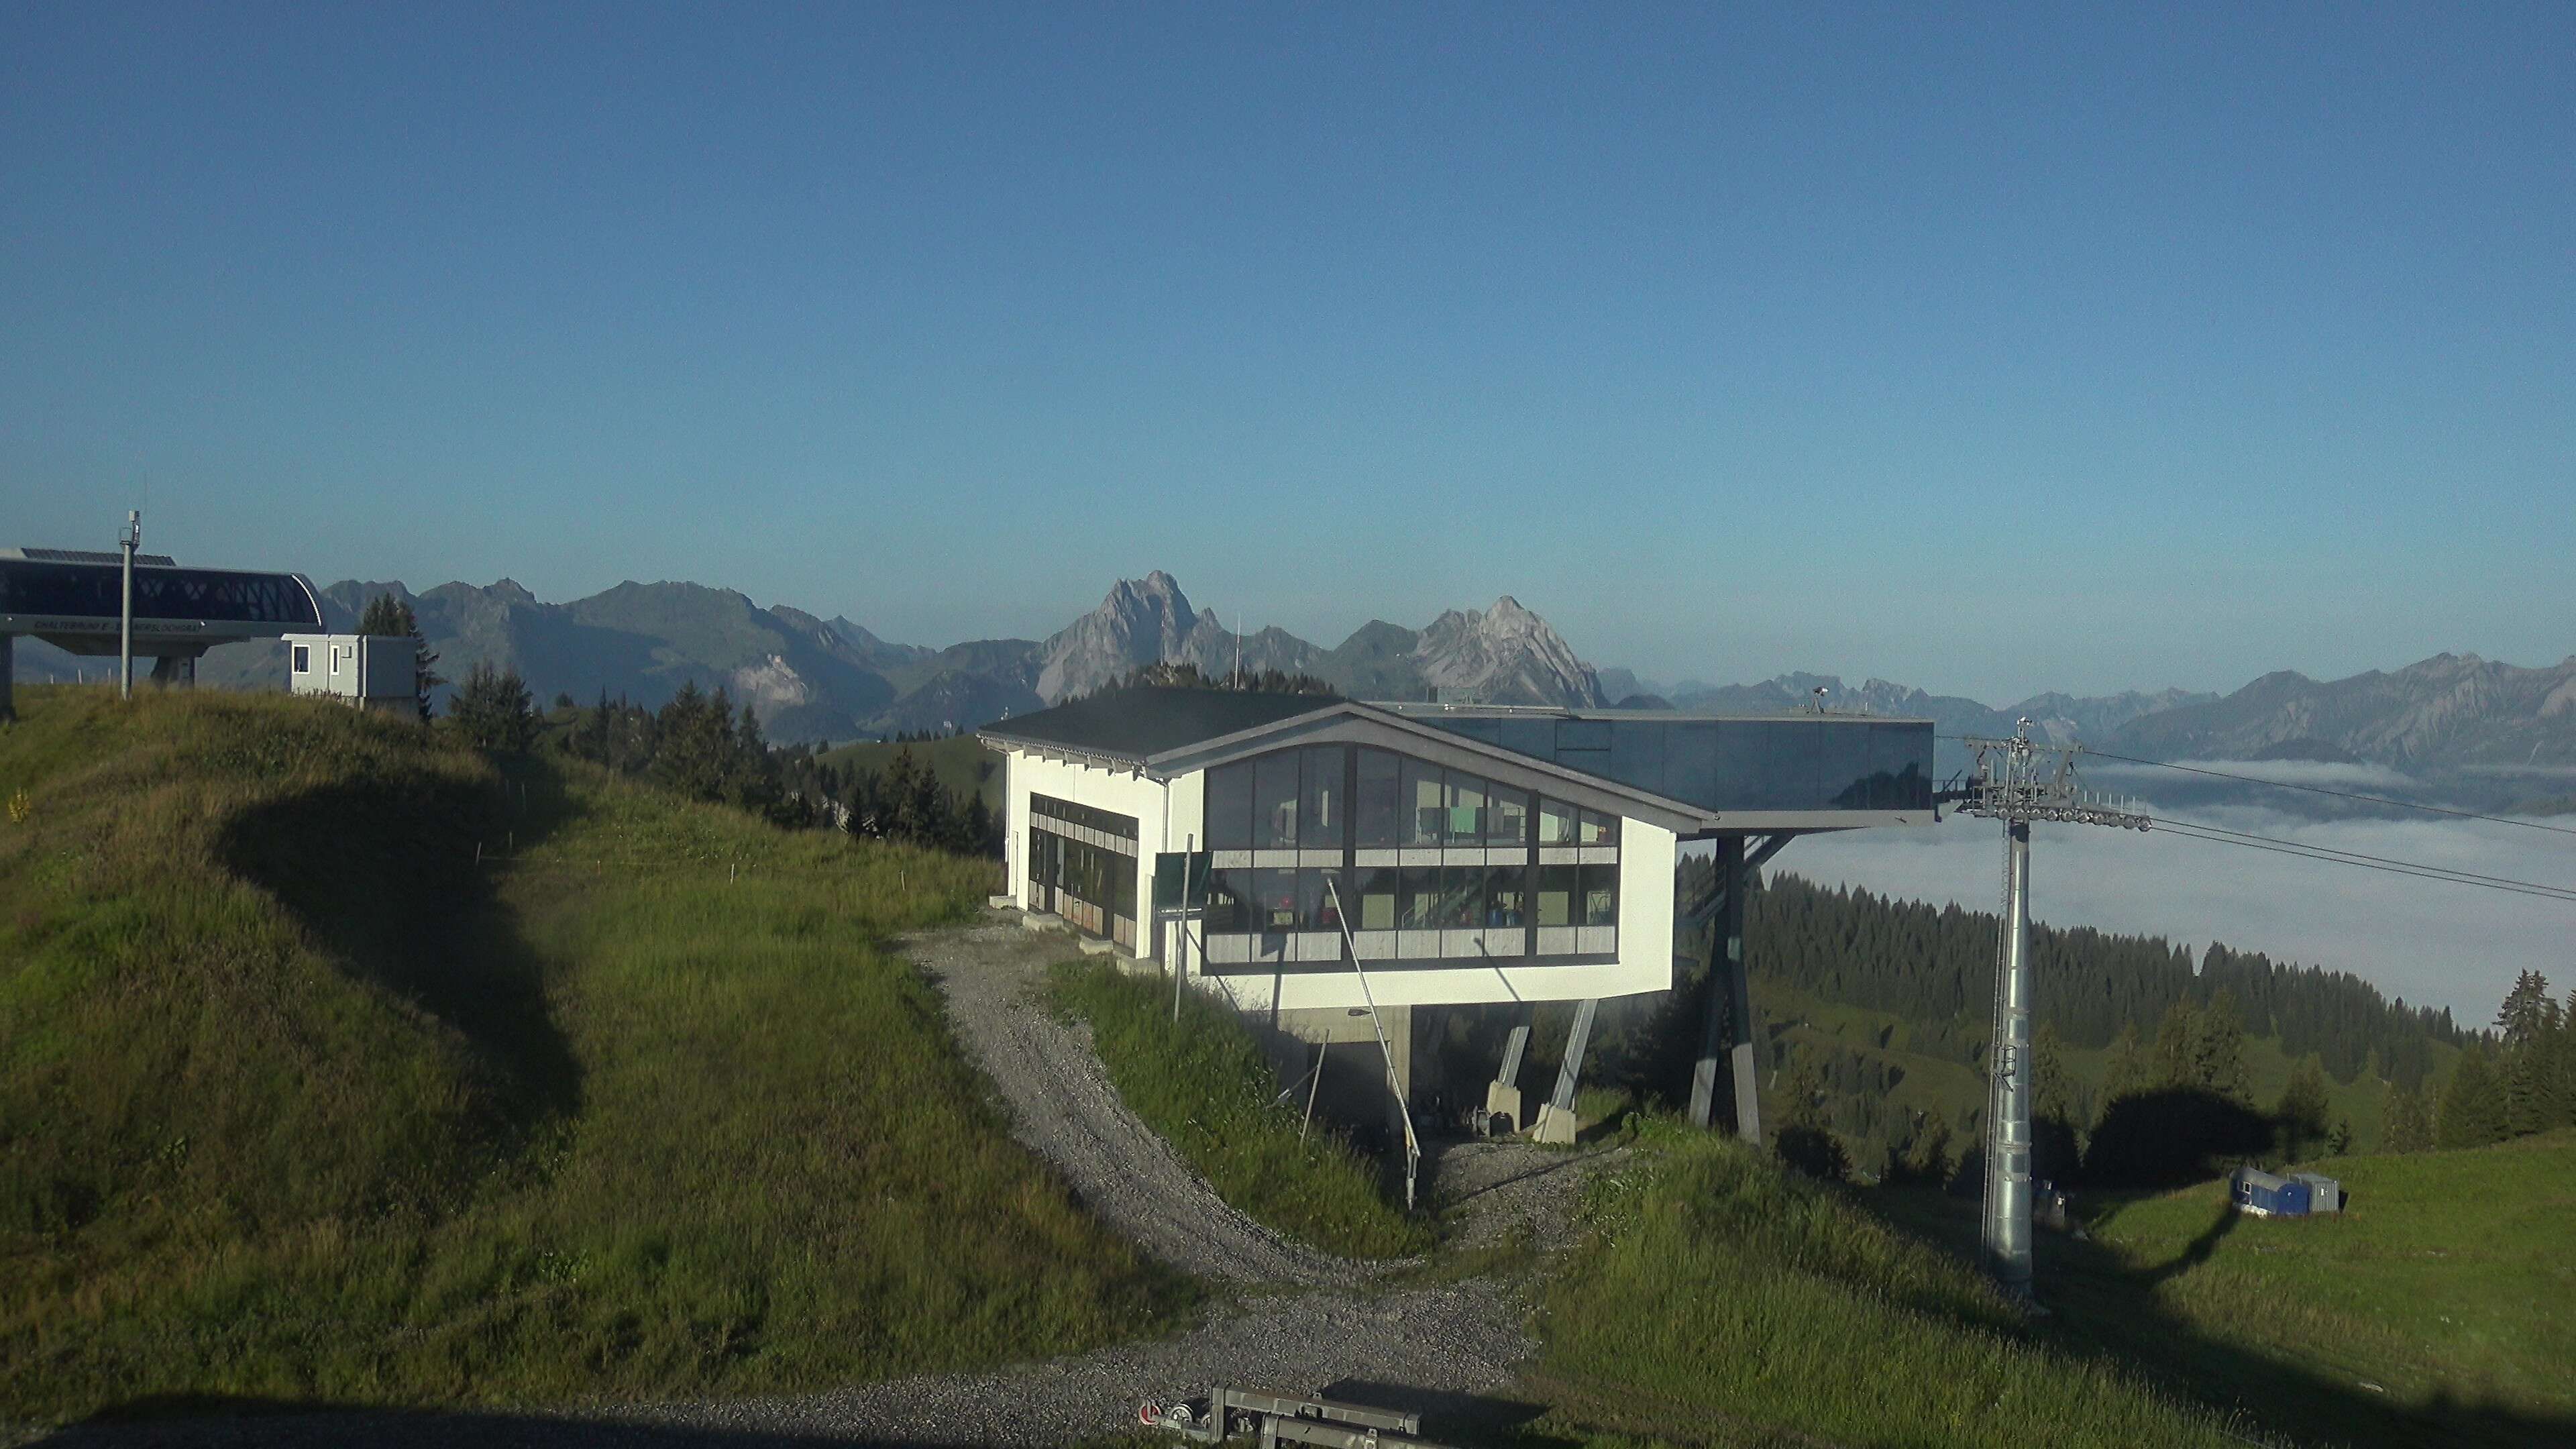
<point>1556,1126</point>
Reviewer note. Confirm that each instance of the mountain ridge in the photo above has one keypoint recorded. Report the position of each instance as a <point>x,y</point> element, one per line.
<point>2459,718</point>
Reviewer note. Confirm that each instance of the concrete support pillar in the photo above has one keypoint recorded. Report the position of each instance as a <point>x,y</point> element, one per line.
<point>1503,1093</point>
<point>1556,1121</point>
<point>1727,1029</point>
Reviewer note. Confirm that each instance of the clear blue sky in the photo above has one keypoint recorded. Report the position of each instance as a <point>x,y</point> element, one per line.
<point>2056,346</point>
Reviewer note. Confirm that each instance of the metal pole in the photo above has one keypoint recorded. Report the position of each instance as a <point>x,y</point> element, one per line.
<point>1181,928</point>
<point>2007,1226</point>
<point>1394,1084</point>
<point>133,537</point>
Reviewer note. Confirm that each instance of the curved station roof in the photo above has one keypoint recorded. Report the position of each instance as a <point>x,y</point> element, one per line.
<point>1690,773</point>
<point>73,599</point>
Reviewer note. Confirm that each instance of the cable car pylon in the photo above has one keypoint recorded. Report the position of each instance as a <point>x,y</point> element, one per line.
<point>2018,782</point>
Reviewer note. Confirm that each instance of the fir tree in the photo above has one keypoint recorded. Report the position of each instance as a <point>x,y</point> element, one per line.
<point>2473,1106</point>
<point>492,710</point>
<point>387,617</point>
<point>2301,1112</point>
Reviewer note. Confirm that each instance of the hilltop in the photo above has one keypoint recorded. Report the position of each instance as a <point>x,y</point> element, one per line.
<point>337,1063</point>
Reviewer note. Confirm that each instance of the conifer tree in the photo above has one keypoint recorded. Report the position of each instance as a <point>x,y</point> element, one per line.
<point>387,617</point>
<point>493,710</point>
<point>2473,1106</point>
<point>2301,1112</point>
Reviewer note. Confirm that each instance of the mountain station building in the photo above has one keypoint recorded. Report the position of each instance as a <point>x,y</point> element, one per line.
<point>1318,857</point>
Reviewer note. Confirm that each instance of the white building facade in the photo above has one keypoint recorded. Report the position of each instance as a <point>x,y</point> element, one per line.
<point>370,671</point>
<point>1450,854</point>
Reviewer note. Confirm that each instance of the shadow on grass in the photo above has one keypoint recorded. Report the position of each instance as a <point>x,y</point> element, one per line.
<point>199,1421</point>
<point>395,877</point>
<point>2103,1306</point>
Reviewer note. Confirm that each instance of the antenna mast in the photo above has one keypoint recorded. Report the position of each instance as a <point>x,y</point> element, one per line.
<point>2018,782</point>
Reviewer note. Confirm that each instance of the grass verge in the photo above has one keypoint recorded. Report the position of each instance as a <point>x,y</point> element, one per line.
<point>1203,1084</point>
<point>300,1101</point>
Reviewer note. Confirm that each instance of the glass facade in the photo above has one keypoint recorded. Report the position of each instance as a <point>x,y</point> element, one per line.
<point>97,591</point>
<point>1082,866</point>
<point>1429,863</point>
<point>1792,763</point>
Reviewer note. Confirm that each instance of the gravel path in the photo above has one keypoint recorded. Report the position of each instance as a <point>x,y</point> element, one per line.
<point>1301,1320</point>
<point>1063,1108</point>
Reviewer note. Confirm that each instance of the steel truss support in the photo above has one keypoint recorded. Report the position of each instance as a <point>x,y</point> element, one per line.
<point>1727,1028</point>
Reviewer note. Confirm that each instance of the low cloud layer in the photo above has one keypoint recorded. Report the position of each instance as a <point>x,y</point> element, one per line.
<point>2432,942</point>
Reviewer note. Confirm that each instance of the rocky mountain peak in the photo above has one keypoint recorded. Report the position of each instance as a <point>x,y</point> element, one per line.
<point>1503,655</point>
<point>1141,621</point>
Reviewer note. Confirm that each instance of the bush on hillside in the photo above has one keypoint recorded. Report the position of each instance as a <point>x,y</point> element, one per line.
<point>494,711</point>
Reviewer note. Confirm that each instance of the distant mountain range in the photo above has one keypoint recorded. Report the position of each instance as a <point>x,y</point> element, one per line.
<point>2493,731</point>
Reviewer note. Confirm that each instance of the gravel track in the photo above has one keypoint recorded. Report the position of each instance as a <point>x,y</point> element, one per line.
<point>1300,1320</point>
<point>1063,1108</point>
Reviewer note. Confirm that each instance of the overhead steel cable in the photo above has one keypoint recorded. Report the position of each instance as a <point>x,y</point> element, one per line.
<point>2322,790</point>
<point>2423,865</point>
<point>2331,856</point>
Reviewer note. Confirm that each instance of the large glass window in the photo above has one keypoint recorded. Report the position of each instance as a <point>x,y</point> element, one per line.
<point>1600,895</point>
<point>1229,808</point>
<point>1323,815</point>
<point>1274,900</point>
<point>1274,802</point>
<point>1228,907</point>
<point>1555,823</point>
<point>1504,886</point>
<point>1421,897</point>
<point>1556,895</point>
<point>1462,894</point>
<point>1507,817</point>
<point>1315,892</point>
<point>1599,829</point>
<point>1380,889</point>
<point>1380,810</point>
<point>1424,823</point>
<point>1466,810</point>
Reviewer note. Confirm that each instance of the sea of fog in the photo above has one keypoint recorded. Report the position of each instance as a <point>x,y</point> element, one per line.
<point>2432,942</point>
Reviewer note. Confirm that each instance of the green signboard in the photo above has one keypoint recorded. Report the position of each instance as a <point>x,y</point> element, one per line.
<point>1180,880</point>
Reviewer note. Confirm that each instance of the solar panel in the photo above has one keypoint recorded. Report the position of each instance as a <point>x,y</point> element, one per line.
<point>84,555</point>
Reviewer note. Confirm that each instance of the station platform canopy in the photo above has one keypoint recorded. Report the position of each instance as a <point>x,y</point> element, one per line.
<point>72,599</point>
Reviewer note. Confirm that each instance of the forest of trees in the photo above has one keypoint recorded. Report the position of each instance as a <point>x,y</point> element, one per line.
<point>2175,1100</point>
<point>2520,1082</point>
<point>699,745</point>
<point>1172,675</point>
<point>1935,965</point>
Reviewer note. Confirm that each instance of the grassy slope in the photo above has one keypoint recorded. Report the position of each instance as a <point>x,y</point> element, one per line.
<point>1720,1300</point>
<point>296,1103</point>
<point>1204,1085</point>
<point>2450,1283</point>
<point>961,763</point>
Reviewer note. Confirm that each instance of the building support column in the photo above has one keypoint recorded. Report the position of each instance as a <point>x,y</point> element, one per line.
<point>1556,1119</point>
<point>1729,1020</point>
<point>1503,1093</point>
